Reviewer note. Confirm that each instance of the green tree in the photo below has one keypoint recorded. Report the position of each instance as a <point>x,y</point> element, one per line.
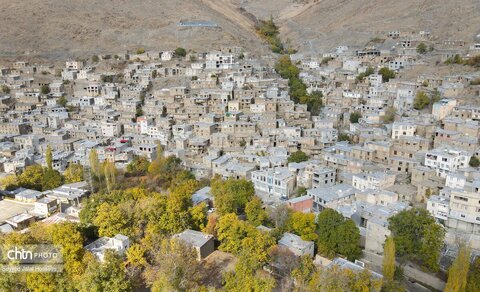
<point>68,236</point>
<point>8,183</point>
<point>5,89</point>
<point>269,31</point>
<point>474,161</point>
<point>386,73</point>
<point>51,179</point>
<point>111,220</point>
<point>44,89</point>
<point>436,96</point>
<point>421,100</point>
<point>94,162</point>
<point>473,279</point>
<point>180,52</point>
<point>389,259</point>
<point>390,113</point>
<point>31,177</point>
<point>301,191</point>
<point>231,232</point>
<point>422,48</point>
<point>139,111</point>
<point>138,166</point>
<point>337,235</point>
<point>431,246</point>
<point>255,248</point>
<point>177,217</point>
<point>297,157</point>
<point>288,70</point>
<point>231,195</point>
<point>280,216</point>
<point>369,71</point>
<point>110,172</point>
<point>174,267</point>
<point>348,240</point>
<point>304,272</point>
<point>108,275</point>
<point>343,137</point>
<point>256,215</point>
<point>49,157</point>
<point>136,256</point>
<point>303,224</point>
<point>354,117</point>
<point>198,214</point>
<point>243,279</point>
<point>95,59</point>
<point>458,272</point>
<point>140,51</point>
<point>42,282</point>
<point>417,235</point>
<point>62,101</point>
<point>473,61</point>
<point>314,102</point>
<point>73,173</point>
<point>340,279</point>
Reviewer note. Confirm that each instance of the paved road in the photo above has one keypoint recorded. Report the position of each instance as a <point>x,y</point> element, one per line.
<point>412,274</point>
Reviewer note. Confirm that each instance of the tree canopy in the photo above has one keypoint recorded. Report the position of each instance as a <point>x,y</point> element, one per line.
<point>422,48</point>
<point>73,173</point>
<point>386,73</point>
<point>354,117</point>
<point>231,195</point>
<point>303,224</point>
<point>417,236</point>
<point>269,31</point>
<point>421,100</point>
<point>298,156</point>
<point>474,161</point>
<point>458,272</point>
<point>255,213</point>
<point>389,259</point>
<point>180,52</point>
<point>337,235</point>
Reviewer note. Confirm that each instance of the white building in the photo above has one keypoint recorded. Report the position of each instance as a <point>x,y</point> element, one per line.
<point>275,182</point>
<point>111,129</point>
<point>376,180</point>
<point>445,160</point>
<point>120,243</point>
<point>331,197</point>
<point>403,129</point>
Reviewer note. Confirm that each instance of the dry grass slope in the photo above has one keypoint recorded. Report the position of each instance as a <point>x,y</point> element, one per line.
<point>333,22</point>
<point>59,28</point>
<point>62,28</point>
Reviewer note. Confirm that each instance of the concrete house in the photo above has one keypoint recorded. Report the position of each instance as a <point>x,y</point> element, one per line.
<point>278,183</point>
<point>119,243</point>
<point>296,245</point>
<point>202,242</point>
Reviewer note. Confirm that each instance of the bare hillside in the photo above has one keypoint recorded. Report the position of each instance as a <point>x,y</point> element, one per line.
<point>62,28</point>
<point>53,28</point>
<point>350,22</point>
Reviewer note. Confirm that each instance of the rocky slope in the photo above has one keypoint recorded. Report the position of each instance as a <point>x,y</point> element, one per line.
<point>62,28</point>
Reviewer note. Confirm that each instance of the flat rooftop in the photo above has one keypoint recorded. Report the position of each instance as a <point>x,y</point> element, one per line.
<point>9,209</point>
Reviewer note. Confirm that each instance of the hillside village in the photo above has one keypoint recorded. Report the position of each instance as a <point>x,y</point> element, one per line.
<point>347,130</point>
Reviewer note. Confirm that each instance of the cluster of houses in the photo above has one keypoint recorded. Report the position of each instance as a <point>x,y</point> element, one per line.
<point>228,113</point>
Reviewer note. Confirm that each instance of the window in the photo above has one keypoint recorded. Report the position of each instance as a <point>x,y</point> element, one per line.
<point>461,198</point>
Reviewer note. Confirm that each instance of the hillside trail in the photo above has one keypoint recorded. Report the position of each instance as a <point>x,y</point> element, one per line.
<point>232,13</point>
<point>296,10</point>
